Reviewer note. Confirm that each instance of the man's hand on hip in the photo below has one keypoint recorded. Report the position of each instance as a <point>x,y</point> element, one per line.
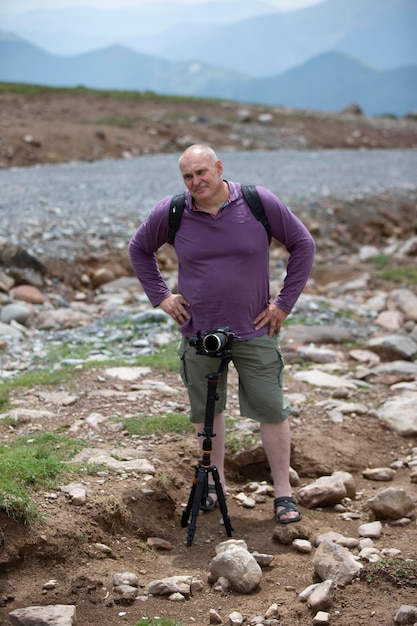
<point>175,305</point>
<point>272,315</point>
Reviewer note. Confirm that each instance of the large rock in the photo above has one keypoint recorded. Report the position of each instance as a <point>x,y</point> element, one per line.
<point>406,301</point>
<point>327,490</point>
<point>334,562</point>
<point>400,415</point>
<point>391,347</point>
<point>235,563</point>
<point>56,615</point>
<point>173,584</point>
<point>391,504</point>
<point>323,379</point>
<point>398,368</point>
<point>17,312</point>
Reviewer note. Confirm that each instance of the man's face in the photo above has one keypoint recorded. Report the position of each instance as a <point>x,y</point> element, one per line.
<point>202,176</point>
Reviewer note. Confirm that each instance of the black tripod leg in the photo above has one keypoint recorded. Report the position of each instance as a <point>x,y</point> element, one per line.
<point>187,511</point>
<point>222,501</point>
<point>199,491</point>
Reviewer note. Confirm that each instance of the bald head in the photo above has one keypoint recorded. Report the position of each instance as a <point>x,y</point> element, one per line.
<point>199,151</point>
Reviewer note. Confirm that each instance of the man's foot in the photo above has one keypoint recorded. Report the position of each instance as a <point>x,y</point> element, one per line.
<point>211,500</point>
<point>286,510</point>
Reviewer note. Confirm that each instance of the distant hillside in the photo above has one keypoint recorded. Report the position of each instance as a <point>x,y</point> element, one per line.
<point>378,32</point>
<point>75,29</point>
<point>246,36</point>
<point>328,82</point>
<point>114,67</point>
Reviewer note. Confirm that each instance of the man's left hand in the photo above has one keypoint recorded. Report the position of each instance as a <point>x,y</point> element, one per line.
<point>272,315</point>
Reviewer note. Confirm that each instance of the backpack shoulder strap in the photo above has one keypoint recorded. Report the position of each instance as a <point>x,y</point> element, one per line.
<point>176,209</point>
<point>255,203</point>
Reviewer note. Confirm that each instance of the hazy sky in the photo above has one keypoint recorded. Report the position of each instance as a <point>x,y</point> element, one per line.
<point>17,6</point>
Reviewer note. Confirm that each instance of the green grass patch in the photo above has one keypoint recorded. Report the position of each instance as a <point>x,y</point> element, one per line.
<point>31,379</point>
<point>389,270</point>
<point>293,320</point>
<point>380,260</point>
<point>32,463</point>
<point>158,425</point>
<point>240,443</point>
<point>108,354</point>
<point>237,442</point>
<point>406,275</point>
<point>33,89</point>
<point>163,361</point>
<point>399,572</point>
<point>58,373</point>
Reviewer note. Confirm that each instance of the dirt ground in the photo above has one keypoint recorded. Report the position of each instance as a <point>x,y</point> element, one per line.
<point>64,547</point>
<point>63,126</point>
<point>54,126</point>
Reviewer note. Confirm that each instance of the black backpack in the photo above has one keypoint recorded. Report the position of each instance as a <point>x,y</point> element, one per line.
<point>249,193</point>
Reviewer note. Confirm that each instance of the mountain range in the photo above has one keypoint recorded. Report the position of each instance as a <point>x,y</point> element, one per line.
<point>324,57</point>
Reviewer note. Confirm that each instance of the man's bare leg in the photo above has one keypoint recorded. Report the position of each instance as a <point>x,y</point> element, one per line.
<point>276,440</point>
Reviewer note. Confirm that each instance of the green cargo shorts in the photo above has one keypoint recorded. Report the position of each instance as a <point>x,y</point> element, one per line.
<point>259,365</point>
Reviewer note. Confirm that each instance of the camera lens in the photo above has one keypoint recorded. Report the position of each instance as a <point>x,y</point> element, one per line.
<point>214,342</point>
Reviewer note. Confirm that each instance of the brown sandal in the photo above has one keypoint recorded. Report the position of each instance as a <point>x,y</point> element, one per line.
<point>210,503</point>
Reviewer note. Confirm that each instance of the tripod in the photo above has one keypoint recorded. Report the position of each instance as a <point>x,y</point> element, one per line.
<point>199,489</point>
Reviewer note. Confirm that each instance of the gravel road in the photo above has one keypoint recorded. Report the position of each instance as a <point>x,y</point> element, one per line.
<point>110,196</point>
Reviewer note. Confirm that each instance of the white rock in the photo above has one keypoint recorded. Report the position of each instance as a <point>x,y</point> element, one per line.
<point>58,615</point>
<point>391,504</point>
<point>304,595</point>
<point>332,561</point>
<point>372,530</point>
<point>236,619</point>
<point>302,545</point>
<point>379,473</point>
<point>234,562</point>
<point>321,619</point>
<point>406,301</point>
<point>322,379</point>
<point>127,373</point>
<point>372,555</point>
<point>390,320</point>
<point>322,596</point>
<point>400,415</point>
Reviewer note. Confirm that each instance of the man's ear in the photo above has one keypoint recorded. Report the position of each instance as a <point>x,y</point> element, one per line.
<point>219,166</point>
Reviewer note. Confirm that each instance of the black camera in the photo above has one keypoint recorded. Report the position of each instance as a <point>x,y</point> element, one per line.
<point>216,342</point>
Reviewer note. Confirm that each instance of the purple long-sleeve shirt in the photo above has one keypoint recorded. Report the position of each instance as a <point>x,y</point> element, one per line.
<point>223,262</point>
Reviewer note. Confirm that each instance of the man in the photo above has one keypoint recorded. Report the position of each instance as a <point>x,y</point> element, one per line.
<point>223,281</point>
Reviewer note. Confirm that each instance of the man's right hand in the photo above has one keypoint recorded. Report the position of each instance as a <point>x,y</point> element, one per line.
<point>175,305</point>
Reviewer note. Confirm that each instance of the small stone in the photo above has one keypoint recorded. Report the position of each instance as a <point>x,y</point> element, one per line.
<point>321,619</point>
<point>302,545</point>
<point>51,584</point>
<point>272,612</point>
<point>236,618</point>
<point>379,473</point>
<point>125,578</point>
<point>214,617</point>
<point>158,543</point>
<point>372,530</point>
<point>176,597</point>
